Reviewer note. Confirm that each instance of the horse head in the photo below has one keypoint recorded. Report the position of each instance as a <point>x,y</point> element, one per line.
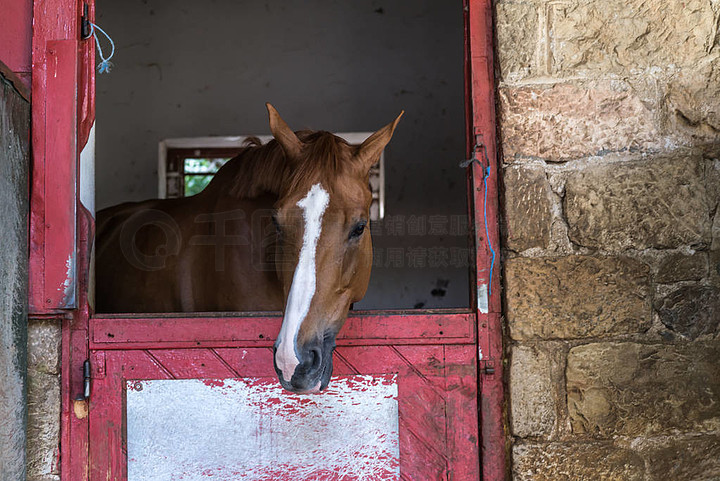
<point>324,250</point>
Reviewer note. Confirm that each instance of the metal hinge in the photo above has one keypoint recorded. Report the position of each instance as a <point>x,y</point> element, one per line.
<point>487,367</point>
<point>86,382</point>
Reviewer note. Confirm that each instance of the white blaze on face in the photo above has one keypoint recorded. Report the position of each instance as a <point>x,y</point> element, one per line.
<point>302,289</point>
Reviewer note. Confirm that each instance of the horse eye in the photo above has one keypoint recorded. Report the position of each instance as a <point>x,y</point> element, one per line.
<point>357,230</point>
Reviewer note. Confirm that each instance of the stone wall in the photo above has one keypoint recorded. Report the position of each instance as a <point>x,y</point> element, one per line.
<point>609,117</point>
<point>14,171</point>
<point>44,401</point>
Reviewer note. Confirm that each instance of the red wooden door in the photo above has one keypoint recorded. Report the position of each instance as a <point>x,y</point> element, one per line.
<point>430,358</point>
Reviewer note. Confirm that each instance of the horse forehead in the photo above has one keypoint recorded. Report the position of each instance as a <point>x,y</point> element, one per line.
<point>333,204</point>
<point>350,192</point>
<point>342,195</point>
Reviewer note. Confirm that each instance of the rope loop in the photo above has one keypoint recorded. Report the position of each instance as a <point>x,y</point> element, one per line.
<point>105,64</point>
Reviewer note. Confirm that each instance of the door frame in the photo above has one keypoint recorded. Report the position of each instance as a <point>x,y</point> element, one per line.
<point>62,228</point>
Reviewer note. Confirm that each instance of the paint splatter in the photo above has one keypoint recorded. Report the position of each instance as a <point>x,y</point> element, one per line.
<point>251,429</point>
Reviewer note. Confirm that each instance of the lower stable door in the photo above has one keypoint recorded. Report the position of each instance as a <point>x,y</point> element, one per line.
<point>394,411</point>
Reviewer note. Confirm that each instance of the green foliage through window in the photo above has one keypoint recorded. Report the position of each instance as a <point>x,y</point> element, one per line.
<point>199,173</point>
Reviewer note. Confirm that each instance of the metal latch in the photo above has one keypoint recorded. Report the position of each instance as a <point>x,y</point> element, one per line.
<point>488,368</point>
<point>85,30</point>
<point>475,156</point>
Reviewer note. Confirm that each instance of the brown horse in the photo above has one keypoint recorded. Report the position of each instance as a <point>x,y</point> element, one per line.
<point>212,251</point>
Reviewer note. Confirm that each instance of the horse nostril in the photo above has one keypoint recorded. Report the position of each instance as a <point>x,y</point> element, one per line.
<point>315,359</point>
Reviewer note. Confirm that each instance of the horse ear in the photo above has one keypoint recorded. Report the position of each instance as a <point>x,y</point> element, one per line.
<point>284,134</point>
<point>369,151</point>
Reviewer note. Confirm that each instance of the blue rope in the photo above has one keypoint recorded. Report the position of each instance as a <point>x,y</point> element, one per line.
<point>487,234</point>
<point>105,65</point>
<point>486,174</point>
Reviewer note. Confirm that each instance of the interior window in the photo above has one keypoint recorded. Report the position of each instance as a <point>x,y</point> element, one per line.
<point>189,171</point>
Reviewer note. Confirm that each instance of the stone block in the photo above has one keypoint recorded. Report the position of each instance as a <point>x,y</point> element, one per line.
<point>693,101</point>
<point>43,434</point>
<point>517,31</point>
<point>43,440</point>
<point>682,267</point>
<point>528,208</point>
<point>629,36</point>
<point>569,121</point>
<point>696,458</point>
<point>44,339</point>
<point>659,203</point>
<point>576,297</point>
<point>532,404</point>
<point>570,462</point>
<point>691,311</point>
<point>633,389</point>
<point>712,189</point>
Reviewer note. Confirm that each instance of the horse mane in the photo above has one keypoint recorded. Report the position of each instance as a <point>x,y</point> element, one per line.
<point>259,169</point>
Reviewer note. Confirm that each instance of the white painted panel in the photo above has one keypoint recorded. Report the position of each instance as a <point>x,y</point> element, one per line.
<point>251,429</point>
<point>87,173</point>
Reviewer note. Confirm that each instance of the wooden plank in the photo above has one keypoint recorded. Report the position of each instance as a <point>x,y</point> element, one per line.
<point>250,361</point>
<point>54,127</point>
<point>460,384</point>
<point>480,70</point>
<point>74,426</point>
<point>148,333</point>
<point>61,159</point>
<point>74,422</point>
<point>192,363</point>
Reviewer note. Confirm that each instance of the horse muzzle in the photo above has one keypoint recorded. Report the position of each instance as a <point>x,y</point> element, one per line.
<point>315,365</point>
